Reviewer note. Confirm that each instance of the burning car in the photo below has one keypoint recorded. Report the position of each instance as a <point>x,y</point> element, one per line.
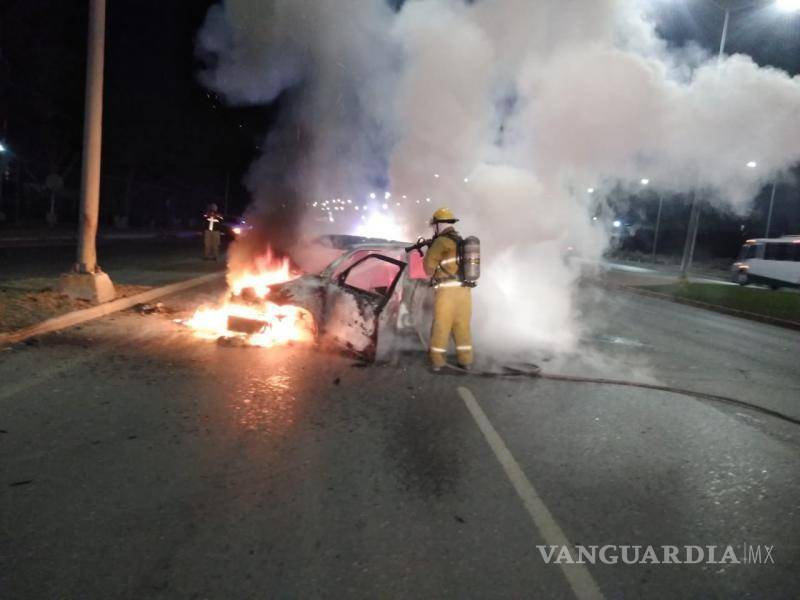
<point>370,286</point>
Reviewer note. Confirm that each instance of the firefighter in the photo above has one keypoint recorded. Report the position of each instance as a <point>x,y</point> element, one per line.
<point>211,235</point>
<point>453,300</point>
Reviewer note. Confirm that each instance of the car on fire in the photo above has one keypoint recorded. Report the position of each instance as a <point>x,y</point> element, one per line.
<point>371,286</point>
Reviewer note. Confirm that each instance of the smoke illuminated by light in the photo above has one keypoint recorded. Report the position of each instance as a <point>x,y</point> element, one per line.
<point>381,225</point>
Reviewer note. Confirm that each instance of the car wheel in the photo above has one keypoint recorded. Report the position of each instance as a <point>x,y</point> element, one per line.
<point>741,278</point>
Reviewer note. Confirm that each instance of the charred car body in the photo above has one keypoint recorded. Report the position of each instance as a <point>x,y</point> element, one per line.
<point>372,286</point>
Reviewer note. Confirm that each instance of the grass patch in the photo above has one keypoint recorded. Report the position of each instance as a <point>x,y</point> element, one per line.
<point>777,304</point>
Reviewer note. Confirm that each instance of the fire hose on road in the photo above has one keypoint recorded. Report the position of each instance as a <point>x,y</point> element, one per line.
<point>532,371</point>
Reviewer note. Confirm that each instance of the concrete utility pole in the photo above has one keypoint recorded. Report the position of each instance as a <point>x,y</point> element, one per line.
<point>87,281</point>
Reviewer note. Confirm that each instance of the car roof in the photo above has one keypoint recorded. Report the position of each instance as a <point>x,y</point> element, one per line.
<point>379,246</point>
<point>350,242</point>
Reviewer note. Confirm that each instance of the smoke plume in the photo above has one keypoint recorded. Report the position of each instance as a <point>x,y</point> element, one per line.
<point>506,111</point>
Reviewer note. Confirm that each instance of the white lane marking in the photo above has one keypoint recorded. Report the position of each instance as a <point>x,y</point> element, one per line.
<point>577,575</point>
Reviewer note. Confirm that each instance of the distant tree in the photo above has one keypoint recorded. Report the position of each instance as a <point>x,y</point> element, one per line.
<point>42,87</point>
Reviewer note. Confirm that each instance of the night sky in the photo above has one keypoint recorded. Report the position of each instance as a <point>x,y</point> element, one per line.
<point>169,144</point>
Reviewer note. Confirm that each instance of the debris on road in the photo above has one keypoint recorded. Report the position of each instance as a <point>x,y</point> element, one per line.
<point>151,309</point>
<point>249,316</point>
<point>228,341</point>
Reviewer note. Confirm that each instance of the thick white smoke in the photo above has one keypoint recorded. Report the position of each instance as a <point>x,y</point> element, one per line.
<point>506,111</point>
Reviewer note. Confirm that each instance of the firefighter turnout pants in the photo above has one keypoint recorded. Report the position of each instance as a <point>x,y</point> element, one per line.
<point>452,312</point>
<point>211,244</point>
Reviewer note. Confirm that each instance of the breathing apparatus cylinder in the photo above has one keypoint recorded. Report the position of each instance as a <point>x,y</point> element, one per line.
<point>471,260</point>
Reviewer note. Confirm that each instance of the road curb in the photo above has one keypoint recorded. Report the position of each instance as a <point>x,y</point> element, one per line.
<point>89,314</point>
<point>742,314</point>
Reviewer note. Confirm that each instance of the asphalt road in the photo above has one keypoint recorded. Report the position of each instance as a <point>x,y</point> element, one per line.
<point>140,462</point>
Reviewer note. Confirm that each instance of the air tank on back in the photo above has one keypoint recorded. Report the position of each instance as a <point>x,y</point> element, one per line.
<point>471,260</point>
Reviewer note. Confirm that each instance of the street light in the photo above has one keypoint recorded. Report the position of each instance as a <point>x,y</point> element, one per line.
<point>2,148</point>
<point>788,5</point>
<point>694,217</point>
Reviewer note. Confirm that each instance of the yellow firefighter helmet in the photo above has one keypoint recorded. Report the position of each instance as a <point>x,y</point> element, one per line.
<point>443,215</point>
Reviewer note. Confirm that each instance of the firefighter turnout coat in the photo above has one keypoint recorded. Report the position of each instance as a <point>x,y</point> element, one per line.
<point>452,311</point>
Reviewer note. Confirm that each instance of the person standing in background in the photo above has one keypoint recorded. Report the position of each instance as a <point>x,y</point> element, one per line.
<point>211,235</point>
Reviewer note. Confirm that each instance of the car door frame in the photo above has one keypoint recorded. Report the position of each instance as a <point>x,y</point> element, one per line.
<point>362,297</point>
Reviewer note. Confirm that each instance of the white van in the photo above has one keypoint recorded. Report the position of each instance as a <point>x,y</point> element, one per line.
<point>772,261</point>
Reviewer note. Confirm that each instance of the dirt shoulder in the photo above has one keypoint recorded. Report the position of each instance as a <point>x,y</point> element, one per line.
<point>26,302</point>
<point>29,282</point>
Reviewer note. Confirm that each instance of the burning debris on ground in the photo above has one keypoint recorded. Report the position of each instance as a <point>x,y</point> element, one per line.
<point>247,317</point>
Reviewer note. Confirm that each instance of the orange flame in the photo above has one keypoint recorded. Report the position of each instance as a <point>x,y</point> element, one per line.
<point>282,324</point>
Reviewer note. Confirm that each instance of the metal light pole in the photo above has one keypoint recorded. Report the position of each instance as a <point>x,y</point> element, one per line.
<point>724,39</point>
<point>769,213</point>
<point>694,218</point>
<point>87,280</point>
<point>658,225</point>
<point>691,237</point>
<point>3,151</point>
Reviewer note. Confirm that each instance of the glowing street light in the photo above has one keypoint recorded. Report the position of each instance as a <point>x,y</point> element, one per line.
<point>788,5</point>
<point>752,164</point>
<point>3,148</point>
<point>590,190</point>
<point>645,181</point>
